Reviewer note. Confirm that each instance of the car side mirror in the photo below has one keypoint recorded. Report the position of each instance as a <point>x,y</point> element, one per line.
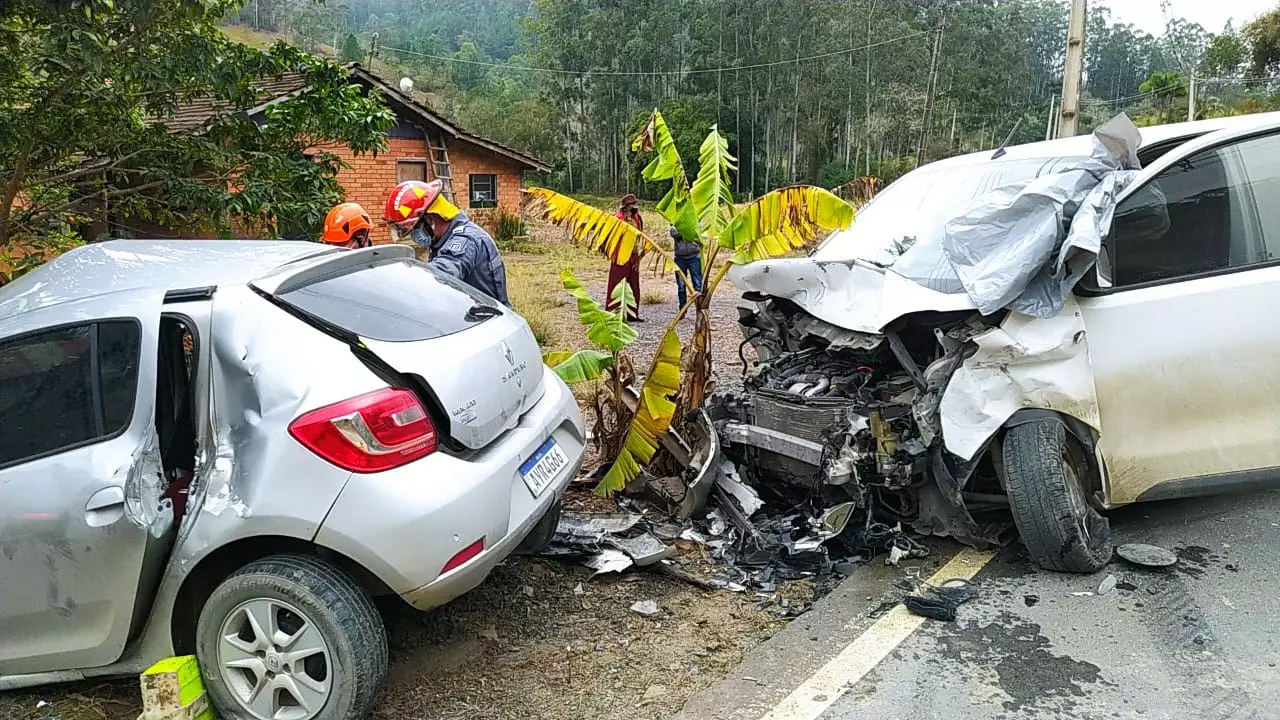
<point>1102,269</point>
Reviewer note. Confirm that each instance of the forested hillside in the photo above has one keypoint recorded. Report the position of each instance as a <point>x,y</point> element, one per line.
<point>806,90</point>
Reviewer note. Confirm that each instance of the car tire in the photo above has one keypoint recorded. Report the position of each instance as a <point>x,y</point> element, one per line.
<point>1045,475</point>
<point>540,536</point>
<point>322,645</point>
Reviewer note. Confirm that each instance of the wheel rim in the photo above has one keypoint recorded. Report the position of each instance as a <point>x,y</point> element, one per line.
<point>274,660</point>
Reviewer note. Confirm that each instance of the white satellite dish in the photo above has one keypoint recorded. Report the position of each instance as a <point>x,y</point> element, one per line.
<point>406,85</point>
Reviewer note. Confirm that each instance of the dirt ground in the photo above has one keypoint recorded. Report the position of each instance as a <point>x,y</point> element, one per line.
<point>542,638</point>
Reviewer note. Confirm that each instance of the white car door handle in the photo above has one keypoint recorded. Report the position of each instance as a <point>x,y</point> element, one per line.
<point>105,499</point>
<point>104,507</point>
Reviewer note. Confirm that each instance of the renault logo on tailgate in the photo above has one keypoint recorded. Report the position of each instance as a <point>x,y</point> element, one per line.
<point>514,372</point>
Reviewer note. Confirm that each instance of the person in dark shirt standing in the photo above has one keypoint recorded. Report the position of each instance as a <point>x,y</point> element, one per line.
<point>688,256</point>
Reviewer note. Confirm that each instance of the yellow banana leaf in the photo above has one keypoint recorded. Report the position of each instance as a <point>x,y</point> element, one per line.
<point>711,194</point>
<point>652,418</point>
<point>784,220</point>
<point>590,226</point>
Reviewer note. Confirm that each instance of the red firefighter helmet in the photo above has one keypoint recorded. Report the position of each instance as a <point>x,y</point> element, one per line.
<point>409,200</point>
<point>345,222</point>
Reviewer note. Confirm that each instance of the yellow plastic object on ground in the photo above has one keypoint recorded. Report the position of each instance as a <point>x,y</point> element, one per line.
<point>172,690</point>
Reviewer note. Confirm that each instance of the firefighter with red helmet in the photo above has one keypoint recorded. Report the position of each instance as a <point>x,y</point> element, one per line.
<point>347,225</point>
<point>459,247</point>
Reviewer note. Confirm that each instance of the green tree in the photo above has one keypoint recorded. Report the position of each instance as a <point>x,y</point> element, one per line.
<point>1226,54</point>
<point>1263,35</point>
<point>351,50</point>
<point>1165,91</point>
<point>89,87</point>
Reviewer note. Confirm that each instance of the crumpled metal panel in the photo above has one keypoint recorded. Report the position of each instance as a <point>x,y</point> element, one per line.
<point>1011,248</point>
<point>1024,363</point>
<point>850,294</point>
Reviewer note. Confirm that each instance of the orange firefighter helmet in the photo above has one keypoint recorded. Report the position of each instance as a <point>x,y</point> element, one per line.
<point>345,222</point>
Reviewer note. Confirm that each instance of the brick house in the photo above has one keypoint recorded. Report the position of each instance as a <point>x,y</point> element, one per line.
<point>481,176</point>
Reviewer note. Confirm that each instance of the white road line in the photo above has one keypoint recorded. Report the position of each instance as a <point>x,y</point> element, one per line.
<point>834,679</point>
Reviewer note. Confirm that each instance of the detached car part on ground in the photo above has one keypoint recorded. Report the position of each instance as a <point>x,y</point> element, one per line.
<point>1035,330</point>
<point>231,448</point>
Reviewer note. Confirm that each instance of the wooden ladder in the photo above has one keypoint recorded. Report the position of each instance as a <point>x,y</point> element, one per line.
<point>441,169</point>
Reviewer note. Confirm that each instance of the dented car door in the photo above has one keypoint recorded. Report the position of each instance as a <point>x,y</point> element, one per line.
<point>1183,332</point>
<point>81,520</point>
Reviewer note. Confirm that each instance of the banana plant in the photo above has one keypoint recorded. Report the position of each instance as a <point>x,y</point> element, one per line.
<point>631,438</point>
<point>703,211</point>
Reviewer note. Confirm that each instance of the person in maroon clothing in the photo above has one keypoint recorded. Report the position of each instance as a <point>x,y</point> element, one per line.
<point>630,272</point>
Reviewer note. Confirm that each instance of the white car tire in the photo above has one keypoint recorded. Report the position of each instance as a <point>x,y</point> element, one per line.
<point>292,634</point>
<point>1045,477</point>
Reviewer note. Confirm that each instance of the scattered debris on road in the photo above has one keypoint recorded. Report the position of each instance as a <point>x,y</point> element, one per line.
<point>1107,585</point>
<point>1147,555</point>
<point>647,608</point>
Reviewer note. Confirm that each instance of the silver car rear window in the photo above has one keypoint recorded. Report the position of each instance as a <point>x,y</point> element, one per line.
<point>399,301</point>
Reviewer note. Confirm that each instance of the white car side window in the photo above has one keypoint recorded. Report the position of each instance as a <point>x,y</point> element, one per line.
<point>1206,213</point>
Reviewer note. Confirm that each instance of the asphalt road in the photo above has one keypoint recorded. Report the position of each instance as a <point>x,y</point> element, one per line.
<point>1200,640</point>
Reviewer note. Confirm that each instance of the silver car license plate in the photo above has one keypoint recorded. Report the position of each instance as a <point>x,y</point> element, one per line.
<point>543,467</point>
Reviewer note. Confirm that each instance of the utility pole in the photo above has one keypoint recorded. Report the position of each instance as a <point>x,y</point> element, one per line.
<point>933,88</point>
<point>1191,98</point>
<point>1048,128</point>
<point>1071,80</point>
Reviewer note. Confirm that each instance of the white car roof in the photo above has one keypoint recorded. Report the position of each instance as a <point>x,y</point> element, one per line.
<point>1081,145</point>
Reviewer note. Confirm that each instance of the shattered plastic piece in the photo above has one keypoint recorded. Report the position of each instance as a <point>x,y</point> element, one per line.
<point>527,590</point>
<point>895,554</point>
<point>1084,593</point>
<point>579,590</point>
<point>693,536</point>
<point>1031,600</point>
<point>607,561</point>
<point>595,525</point>
<point>746,496</point>
<point>644,549</point>
<point>647,608</point>
<point>1108,584</point>
<point>1147,555</point>
<point>599,646</point>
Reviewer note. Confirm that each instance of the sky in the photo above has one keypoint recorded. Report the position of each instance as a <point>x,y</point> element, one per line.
<point>1212,14</point>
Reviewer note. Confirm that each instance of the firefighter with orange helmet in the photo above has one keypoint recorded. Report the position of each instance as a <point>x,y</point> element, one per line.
<point>459,247</point>
<point>347,225</point>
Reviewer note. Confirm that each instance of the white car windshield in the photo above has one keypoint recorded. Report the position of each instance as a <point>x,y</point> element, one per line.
<point>916,205</point>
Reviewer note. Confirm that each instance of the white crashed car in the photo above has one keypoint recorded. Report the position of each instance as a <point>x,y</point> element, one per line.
<point>887,371</point>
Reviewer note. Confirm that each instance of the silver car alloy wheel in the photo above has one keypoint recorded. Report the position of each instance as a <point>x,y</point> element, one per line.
<point>274,660</point>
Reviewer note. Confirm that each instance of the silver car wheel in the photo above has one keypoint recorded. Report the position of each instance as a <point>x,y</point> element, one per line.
<point>274,660</point>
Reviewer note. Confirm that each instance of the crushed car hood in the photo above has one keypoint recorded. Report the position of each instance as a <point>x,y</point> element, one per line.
<point>1013,257</point>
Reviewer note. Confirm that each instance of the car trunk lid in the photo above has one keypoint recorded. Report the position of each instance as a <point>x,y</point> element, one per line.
<point>477,359</point>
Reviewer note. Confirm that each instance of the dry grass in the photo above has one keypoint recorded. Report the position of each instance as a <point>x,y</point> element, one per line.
<point>652,297</point>
<point>533,282</point>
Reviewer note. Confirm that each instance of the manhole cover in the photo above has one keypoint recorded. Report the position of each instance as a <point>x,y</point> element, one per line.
<point>1148,555</point>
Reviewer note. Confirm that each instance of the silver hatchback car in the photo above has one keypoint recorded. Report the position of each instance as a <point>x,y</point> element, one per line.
<point>230,448</point>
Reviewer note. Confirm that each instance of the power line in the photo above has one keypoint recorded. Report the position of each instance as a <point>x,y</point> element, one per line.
<point>650,73</point>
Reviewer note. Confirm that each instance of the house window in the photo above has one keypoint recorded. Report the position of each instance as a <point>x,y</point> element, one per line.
<point>411,169</point>
<point>484,191</point>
